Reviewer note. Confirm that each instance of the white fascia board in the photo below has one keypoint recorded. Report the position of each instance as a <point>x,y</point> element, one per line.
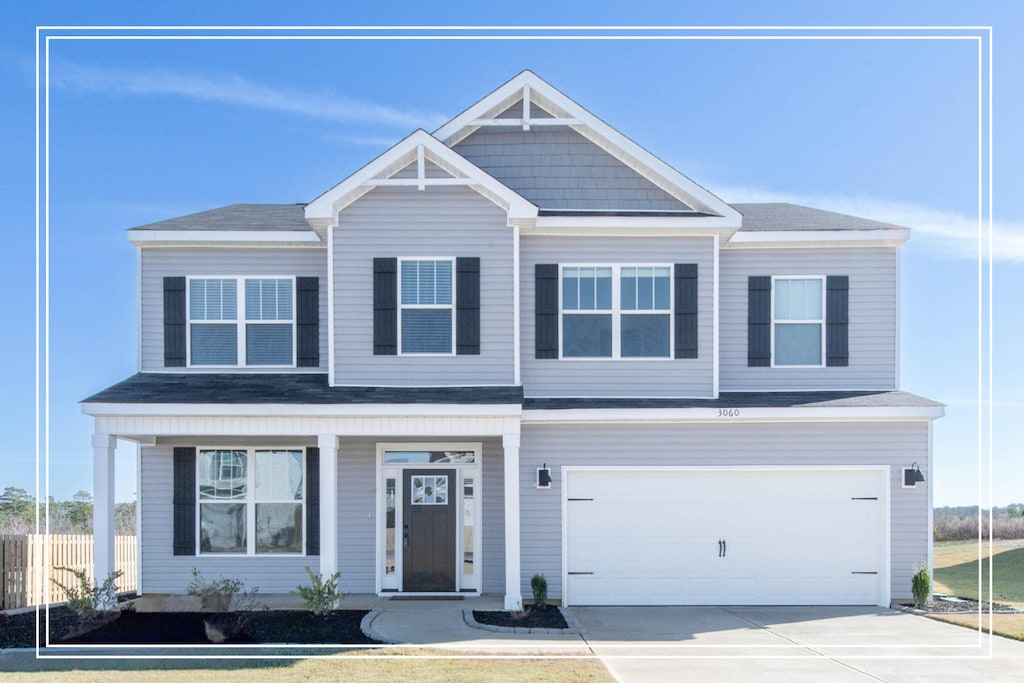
<point>809,414</point>
<point>595,130</point>
<point>632,225</point>
<point>770,239</point>
<point>326,206</point>
<point>144,238</point>
<point>302,410</point>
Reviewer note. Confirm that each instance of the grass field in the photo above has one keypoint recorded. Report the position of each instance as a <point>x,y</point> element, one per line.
<point>17,668</point>
<point>956,570</point>
<point>956,573</point>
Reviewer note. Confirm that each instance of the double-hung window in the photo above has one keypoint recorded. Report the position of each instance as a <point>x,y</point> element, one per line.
<point>427,312</point>
<point>251,501</point>
<point>616,311</point>
<point>798,317</point>
<point>263,335</point>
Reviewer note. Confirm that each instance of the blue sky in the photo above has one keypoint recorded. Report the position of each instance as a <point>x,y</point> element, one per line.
<point>146,130</point>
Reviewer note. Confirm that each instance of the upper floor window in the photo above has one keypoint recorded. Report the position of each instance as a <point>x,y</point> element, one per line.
<point>798,321</point>
<point>263,335</point>
<point>616,311</point>
<point>426,315</point>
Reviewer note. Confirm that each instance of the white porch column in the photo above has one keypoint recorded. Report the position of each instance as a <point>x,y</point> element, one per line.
<point>513,592</point>
<point>103,505</point>
<point>328,444</point>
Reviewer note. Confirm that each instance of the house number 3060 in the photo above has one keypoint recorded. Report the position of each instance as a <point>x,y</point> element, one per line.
<point>728,412</point>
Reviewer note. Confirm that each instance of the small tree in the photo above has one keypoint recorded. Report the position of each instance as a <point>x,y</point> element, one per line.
<point>95,604</point>
<point>921,585</point>
<point>539,585</point>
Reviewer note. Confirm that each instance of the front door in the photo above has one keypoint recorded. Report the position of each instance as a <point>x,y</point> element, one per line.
<point>429,503</point>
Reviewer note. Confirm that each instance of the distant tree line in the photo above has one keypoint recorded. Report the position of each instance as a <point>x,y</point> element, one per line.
<point>961,523</point>
<point>18,514</point>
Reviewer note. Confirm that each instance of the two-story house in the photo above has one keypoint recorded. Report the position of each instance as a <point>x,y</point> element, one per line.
<point>523,345</point>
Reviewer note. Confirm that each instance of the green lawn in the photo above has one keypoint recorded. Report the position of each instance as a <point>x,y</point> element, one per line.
<point>956,570</point>
<point>16,668</point>
<point>956,573</point>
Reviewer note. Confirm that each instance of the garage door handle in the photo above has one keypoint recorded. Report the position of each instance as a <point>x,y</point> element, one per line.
<point>721,548</point>
<point>725,548</point>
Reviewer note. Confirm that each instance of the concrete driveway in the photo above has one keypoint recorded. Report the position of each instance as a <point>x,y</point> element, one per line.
<point>834,644</point>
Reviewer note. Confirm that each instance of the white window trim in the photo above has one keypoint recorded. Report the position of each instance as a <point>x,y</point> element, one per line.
<point>821,322</point>
<point>616,312</point>
<point>250,501</point>
<point>240,321</point>
<point>426,307</point>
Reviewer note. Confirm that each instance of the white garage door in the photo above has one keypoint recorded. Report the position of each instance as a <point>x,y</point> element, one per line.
<point>741,537</point>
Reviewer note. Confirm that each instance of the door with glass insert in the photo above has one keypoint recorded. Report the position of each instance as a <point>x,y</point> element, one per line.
<point>429,529</point>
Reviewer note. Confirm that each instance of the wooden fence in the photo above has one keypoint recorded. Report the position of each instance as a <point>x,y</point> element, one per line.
<point>23,557</point>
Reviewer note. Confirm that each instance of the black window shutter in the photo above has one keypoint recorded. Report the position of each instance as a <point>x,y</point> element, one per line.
<point>312,501</point>
<point>184,501</point>
<point>467,302</point>
<point>385,306</point>
<point>174,322</point>
<point>759,321</point>
<point>546,314</point>
<point>837,321</point>
<point>686,310</point>
<point>307,322</point>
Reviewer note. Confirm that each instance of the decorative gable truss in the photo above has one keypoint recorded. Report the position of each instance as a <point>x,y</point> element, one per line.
<point>529,103</point>
<point>419,161</point>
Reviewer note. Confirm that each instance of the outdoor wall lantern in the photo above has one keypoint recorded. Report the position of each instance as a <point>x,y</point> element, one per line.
<point>543,477</point>
<point>912,475</point>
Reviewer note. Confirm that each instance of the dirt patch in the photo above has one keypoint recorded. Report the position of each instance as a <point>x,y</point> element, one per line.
<point>531,617</point>
<point>340,627</point>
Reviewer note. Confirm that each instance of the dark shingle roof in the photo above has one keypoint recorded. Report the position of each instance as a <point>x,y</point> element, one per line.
<point>782,216</point>
<point>742,399</point>
<point>239,217</point>
<point>292,388</point>
<point>295,388</point>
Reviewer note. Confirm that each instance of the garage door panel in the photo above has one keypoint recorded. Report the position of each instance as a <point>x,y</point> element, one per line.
<point>792,536</point>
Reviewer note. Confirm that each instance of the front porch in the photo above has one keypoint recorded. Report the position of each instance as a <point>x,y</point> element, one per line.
<point>358,507</point>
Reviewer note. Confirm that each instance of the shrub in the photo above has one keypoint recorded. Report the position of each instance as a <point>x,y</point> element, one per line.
<point>88,597</point>
<point>320,596</point>
<point>539,585</point>
<point>230,598</point>
<point>921,585</point>
<point>95,604</point>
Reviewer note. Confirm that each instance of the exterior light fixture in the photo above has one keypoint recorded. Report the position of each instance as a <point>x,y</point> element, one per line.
<point>543,477</point>
<point>912,475</point>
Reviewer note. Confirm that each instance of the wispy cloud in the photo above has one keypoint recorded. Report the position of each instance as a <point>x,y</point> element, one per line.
<point>945,233</point>
<point>232,89</point>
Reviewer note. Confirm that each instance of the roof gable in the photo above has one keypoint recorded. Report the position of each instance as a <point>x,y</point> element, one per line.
<point>434,164</point>
<point>529,92</point>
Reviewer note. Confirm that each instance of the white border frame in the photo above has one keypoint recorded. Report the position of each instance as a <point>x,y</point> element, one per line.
<point>884,587</point>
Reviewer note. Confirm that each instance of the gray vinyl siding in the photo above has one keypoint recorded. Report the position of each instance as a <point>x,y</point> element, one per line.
<point>558,168</point>
<point>158,262</point>
<point>669,377</point>
<point>436,222</point>
<point>164,572</point>
<point>896,445</point>
<point>873,323</point>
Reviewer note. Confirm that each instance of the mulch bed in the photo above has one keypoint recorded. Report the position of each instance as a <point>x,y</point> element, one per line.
<point>531,617</point>
<point>340,627</point>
